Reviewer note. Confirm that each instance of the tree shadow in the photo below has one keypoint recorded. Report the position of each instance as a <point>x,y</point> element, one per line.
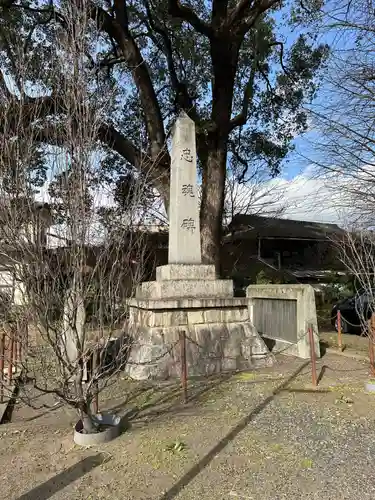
<point>7,415</point>
<point>307,391</point>
<point>68,476</point>
<point>197,388</point>
<point>323,347</point>
<point>206,460</point>
<point>321,374</point>
<point>170,393</point>
<point>270,343</point>
<point>47,412</point>
<point>171,403</point>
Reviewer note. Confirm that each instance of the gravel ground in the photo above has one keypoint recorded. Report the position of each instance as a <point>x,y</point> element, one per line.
<point>265,435</point>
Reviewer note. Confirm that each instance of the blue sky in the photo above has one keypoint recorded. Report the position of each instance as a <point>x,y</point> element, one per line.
<point>296,177</point>
<point>298,161</point>
<point>309,196</point>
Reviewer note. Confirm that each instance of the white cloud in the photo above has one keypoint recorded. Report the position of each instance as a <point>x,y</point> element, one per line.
<point>313,198</point>
<point>307,196</point>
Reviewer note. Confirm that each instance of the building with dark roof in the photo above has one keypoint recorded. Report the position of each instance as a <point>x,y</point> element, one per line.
<point>244,226</point>
<point>305,250</point>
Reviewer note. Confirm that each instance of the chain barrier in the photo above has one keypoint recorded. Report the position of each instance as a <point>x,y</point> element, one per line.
<point>326,318</point>
<point>212,355</point>
<point>269,354</point>
<point>349,323</point>
<point>220,355</point>
<point>157,358</point>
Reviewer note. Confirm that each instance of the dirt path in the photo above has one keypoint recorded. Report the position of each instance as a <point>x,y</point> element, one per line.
<point>356,343</point>
<point>263,435</point>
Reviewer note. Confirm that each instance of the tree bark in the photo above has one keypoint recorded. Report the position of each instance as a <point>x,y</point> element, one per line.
<point>89,426</point>
<point>224,54</point>
<point>225,33</point>
<point>212,206</point>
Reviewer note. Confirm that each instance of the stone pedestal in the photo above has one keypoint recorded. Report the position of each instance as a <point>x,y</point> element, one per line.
<point>187,296</point>
<point>219,335</point>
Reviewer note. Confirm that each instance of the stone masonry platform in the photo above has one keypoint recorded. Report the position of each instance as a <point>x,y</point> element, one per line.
<point>187,296</point>
<point>185,280</point>
<point>219,337</point>
<point>185,272</point>
<point>185,288</point>
<point>185,311</point>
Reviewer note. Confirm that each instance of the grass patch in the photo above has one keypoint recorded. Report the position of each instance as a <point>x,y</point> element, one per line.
<point>176,447</point>
<point>306,463</point>
<point>277,447</point>
<point>245,376</point>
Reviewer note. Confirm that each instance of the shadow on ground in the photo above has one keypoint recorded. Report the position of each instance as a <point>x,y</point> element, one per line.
<point>205,461</point>
<point>68,476</point>
<point>167,398</point>
<point>145,401</point>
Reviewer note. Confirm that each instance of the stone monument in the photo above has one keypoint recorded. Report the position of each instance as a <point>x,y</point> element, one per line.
<point>187,296</point>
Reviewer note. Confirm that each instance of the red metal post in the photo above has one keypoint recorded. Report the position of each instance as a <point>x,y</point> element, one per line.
<point>95,383</point>
<point>371,345</point>
<point>339,333</point>
<point>20,341</point>
<point>2,350</point>
<point>15,350</point>
<point>24,339</point>
<point>314,377</point>
<point>183,366</point>
<point>10,358</point>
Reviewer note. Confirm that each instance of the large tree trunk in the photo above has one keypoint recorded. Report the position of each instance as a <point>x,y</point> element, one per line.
<point>212,206</point>
<point>224,53</point>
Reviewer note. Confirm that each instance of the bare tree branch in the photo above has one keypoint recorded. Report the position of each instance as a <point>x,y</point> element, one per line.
<point>246,13</point>
<point>117,28</point>
<point>177,9</point>
<point>241,118</point>
<point>74,296</point>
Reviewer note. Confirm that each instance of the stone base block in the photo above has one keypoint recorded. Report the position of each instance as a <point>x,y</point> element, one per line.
<point>210,348</point>
<point>188,303</point>
<point>183,316</point>
<point>293,311</point>
<point>219,337</point>
<point>185,272</point>
<point>185,288</point>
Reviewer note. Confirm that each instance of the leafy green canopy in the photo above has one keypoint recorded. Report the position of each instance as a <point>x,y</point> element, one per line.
<point>157,57</point>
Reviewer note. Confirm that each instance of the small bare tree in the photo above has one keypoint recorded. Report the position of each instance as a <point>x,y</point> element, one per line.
<point>344,147</point>
<point>357,252</point>
<point>258,194</point>
<point>73,296</point>
<point>346,142</point>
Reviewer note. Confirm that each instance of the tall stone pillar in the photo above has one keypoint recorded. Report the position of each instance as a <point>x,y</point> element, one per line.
<point>186,295</point>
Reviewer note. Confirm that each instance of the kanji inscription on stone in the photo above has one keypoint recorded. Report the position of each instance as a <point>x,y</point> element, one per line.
<point>188,224</point>
<point>184,231</point>
<point>186,155</point>
<point>188,190</point>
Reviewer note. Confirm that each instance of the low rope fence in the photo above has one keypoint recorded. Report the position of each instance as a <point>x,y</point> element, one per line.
<point>178,351</point>
<point>339,319</point>
<point>13,342</point>
<point>185,339</point>
<point>367,328</point>
<point>184,367</point>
